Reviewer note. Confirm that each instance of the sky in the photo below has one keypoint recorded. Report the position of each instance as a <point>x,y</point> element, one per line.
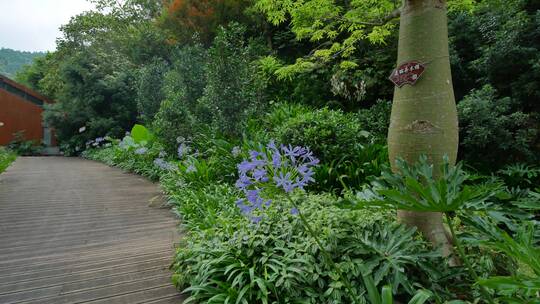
<point>33,25</point>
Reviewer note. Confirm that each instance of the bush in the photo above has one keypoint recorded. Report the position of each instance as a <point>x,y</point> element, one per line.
<point>233,91</point>
<point>376,119</point>
<point>212,90</point>
<point>520,176</point>
<point>328,133</point>
<point>493,131</point>
<point>150,89</point>
<point>178,115</point>
<point>136,152</point>
<point>348,154</point>
<point>6,158</point>
<point>20,146</point>
<point>229,259</point>
<point>97,92</point>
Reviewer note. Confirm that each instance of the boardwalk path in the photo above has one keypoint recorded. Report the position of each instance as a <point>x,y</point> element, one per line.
<point>77,231</point>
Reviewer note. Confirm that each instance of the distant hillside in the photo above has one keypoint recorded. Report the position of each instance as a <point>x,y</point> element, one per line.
<point>11,61</point>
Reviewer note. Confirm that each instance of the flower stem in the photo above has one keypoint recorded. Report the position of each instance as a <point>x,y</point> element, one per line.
<point>465,259</point>
<point>325,253</point>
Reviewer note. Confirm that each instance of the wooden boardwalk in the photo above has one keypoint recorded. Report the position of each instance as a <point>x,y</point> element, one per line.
<point>77,231</point>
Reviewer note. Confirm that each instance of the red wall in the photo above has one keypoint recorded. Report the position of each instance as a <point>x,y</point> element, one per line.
<point>19,114</point>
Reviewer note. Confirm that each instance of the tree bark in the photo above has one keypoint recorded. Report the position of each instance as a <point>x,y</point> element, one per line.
<point>424,116</point>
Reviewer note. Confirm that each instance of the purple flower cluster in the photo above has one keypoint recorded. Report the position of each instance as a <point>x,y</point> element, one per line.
<point>141,151</point>
<point>163,164</point>
<point>191,168</point>
<point>287,168</point>
<point>95,142</point>
<point>183,150</point>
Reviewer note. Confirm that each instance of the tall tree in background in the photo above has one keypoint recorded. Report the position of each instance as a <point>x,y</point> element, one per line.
<point>424,117</point>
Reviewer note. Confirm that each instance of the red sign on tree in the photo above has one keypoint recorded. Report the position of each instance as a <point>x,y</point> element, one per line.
<point>407,73</point>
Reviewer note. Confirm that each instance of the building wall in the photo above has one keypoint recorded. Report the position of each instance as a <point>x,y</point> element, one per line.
<point>19,114</point>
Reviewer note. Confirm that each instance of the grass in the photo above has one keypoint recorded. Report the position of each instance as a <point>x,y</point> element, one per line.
<point>6,158</point>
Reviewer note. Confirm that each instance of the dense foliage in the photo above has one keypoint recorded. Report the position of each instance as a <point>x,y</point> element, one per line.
<point>6,158</point>
<point>266,125</point>
<point>240,248</point>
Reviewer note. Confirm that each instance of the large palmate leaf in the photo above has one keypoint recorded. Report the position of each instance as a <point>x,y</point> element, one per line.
<point>415,188</point>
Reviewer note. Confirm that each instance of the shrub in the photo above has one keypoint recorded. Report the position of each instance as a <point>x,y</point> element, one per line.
<point>233,91</point>
<point>277,261</point>
<point>178,115</point>
<point>494,131</point>
<point>479,217</point>
<point>149,89</point>
<point>520,175</point>
<point>348,154</point>
<point>6,158</point>
<point>212,90</point>
<point>330,134</point>
<point>376,119</point>
<point>20,146</point>
<point>97,92</point>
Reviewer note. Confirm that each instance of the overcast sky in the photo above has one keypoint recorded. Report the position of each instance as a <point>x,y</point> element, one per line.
<point>33,25</point>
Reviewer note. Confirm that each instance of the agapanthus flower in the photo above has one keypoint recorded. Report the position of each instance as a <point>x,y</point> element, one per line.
<point>191,168</point>
<point>253,202</point>
<point>286,168</point>
<point>163,164</point>
<point>183,150</point>
<point>99,139</point>
<point>141,151</point>
<point>243,182</point>
<point>260,175</point>
<point>293,152</point>
<point>284,181</point>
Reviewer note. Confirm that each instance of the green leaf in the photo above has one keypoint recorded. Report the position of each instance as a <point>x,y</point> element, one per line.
<point>420,297</point>
<point>387,297</point>
<point>141,134</point>
<point>373,293</point>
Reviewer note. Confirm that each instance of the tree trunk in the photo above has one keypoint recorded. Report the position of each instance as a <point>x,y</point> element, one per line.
<point>424,116</point>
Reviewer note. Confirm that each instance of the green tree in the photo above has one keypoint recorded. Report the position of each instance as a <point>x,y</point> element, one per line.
<point>150,89</point>
<point>233,91</point>
<point>183,85</point>
<point>97,93</point>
